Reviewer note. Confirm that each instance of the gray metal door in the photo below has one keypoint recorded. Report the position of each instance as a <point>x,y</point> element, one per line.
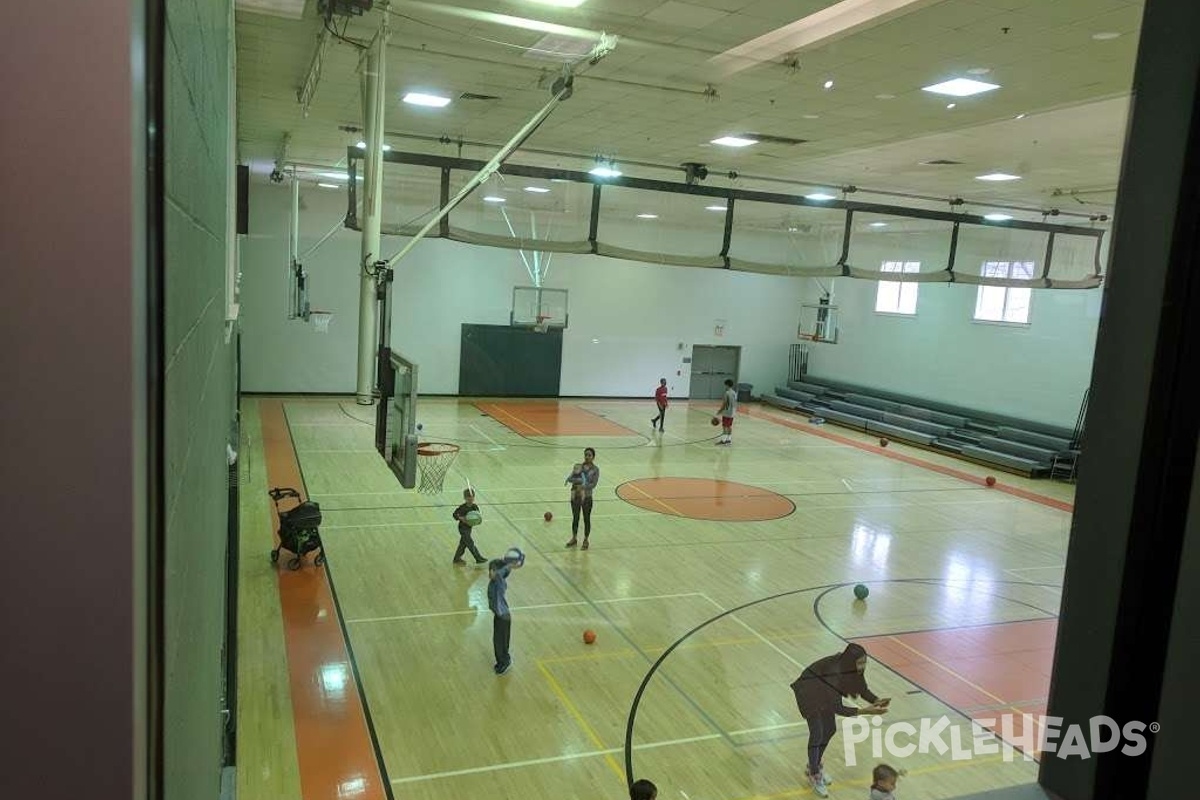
<point>711,366</point>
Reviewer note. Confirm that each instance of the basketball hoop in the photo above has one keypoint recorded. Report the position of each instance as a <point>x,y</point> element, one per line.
<point>434,460</point>
<point>320,320</point>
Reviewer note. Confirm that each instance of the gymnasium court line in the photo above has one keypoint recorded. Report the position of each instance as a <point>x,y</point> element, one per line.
<point>333,742</point>
<point>763,414</point>
<point>273,440</point>
<point>551,418</point>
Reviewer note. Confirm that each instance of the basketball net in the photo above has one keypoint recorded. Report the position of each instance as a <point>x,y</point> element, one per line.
<point>320,320</point>
<point>434,460</point>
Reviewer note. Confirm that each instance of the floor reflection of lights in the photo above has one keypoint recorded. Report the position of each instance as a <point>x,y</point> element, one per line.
<point>869,546</point>
<point>353,787</point>
<point>967,584</point>
<point>334,678</point>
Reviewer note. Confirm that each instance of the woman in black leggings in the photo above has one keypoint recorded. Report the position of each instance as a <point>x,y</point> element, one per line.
<point>583,480</point>
<point>819,691</point>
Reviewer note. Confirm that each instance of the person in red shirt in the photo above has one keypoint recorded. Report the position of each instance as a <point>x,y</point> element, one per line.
<point>660,399</point>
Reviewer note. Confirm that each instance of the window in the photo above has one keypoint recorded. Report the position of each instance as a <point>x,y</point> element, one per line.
<point>1004,303</point>
<point>895,297</point>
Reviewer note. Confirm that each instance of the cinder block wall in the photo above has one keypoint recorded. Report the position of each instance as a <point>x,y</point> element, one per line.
<point>200,390</point>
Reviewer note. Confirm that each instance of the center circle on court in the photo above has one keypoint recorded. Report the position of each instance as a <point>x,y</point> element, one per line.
<point>705,498</point>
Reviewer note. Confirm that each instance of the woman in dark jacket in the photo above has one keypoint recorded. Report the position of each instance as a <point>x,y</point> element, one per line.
<point>819,691</point>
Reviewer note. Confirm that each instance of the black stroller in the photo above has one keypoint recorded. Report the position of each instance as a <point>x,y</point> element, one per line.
<point>298,529</point>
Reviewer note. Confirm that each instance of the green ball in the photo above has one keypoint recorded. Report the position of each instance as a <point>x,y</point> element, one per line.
<point>861,592</point>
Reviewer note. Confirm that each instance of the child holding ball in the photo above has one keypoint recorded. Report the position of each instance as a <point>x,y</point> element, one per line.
<point>498,571</point>
<point>465,542</point>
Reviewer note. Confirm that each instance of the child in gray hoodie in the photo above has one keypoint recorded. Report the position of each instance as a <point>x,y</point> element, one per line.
<point>883,783</point>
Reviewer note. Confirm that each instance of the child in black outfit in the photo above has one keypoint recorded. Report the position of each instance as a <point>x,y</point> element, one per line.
<point>465,542</point>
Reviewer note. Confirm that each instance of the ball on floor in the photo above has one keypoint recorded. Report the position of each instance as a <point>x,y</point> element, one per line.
<point>883,442</point>
<point>589,637</point>
<point>861,592</point>
<point>715,422</point>
<point>990,481</point>
<point>547,516</point>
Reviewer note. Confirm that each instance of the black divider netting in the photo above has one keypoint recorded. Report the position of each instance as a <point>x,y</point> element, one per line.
<point>530,214</point>
<point>912,250</point>
<point>661,227</point>
<point>786,239</point>
<point>410,197</point>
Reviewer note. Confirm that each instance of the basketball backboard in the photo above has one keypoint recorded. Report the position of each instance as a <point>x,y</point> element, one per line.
<point>396,418</point>
<point>536,305</point>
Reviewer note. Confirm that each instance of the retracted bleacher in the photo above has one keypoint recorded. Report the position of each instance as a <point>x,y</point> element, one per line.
<point>1022,447</point>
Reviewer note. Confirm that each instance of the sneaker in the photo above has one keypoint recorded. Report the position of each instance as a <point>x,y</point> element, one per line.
<point>504,669</point>
<point>573,542</point>
<point>817,782</point>
<point>585,545</point>
<point>481,561</point>
<point>459,561</point>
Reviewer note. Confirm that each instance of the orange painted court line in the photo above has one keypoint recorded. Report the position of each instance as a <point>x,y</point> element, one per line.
<point>553,419</point>
<point>916,462</point>
<point>706,498</point>
<point>333,744</point>
<point>492,409</point>
<point>1013,659</point>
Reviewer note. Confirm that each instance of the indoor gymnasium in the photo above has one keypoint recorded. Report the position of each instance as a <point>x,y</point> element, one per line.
<point>681,399</point>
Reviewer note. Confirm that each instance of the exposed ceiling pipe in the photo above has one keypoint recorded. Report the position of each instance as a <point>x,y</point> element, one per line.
<point>447,140</point>
<point>544,70</point>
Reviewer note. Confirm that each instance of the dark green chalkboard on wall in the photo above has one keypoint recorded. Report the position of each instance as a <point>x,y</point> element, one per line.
<point>506,361</point>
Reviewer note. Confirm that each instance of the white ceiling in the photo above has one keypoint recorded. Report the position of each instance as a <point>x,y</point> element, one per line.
<point>662,94</point>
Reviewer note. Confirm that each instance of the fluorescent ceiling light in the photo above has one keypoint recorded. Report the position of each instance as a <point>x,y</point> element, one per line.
<point>601,171</point>
<point>997,176</point>
<point>537,189</point>
<point>429,100</point>
<point>951,106</point>
<point>363,146</point>
<point>647,216</point>
<point>820,196</point>
<point>491,198</point>
<point>1020,116</point>
<point>1104,37</point>
<point>735,141</point>
<point>878,224</point>
<point>960,87</point>
<point>329,185</point>
<point>997,217</point>
<point>828,84</point>
<point>715,208</point>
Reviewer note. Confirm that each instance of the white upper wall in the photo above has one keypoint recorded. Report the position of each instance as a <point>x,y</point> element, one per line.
<point>1037,371</point>
<point>627,319</point>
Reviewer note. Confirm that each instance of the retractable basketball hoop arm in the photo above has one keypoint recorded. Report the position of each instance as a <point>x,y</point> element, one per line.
<point>562,89</point>
<point>381,272</point>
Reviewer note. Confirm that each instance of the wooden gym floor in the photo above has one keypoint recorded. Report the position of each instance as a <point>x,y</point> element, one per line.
<point>372,677</point>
